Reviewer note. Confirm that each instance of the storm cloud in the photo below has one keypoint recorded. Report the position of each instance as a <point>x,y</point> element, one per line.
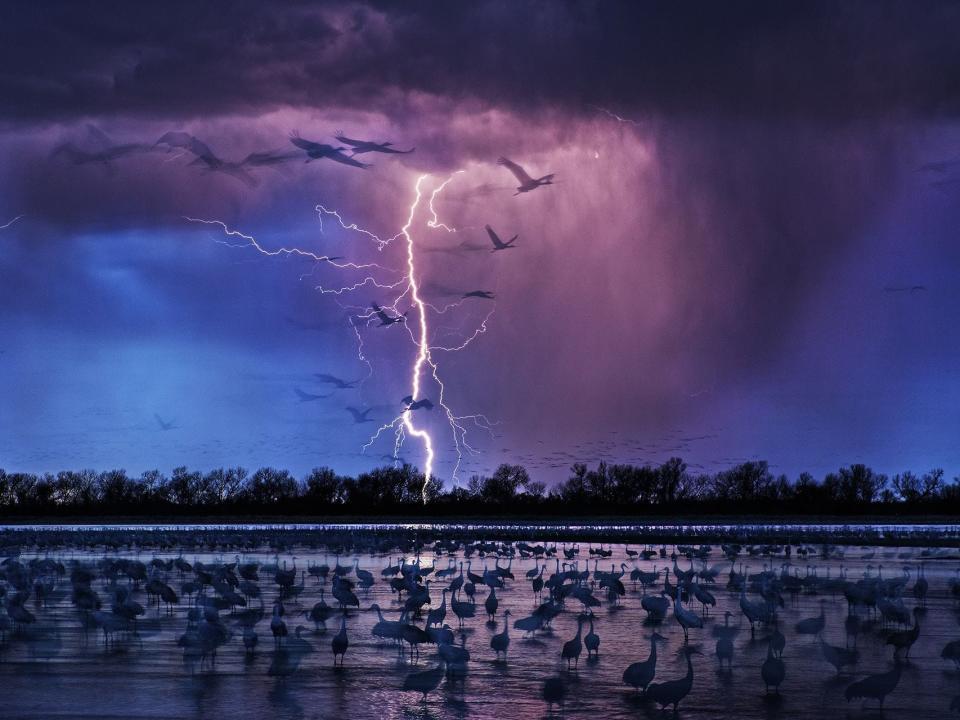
<point>722,172</point>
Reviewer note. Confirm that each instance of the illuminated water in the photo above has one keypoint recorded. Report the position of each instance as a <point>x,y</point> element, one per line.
<point>53,671</point>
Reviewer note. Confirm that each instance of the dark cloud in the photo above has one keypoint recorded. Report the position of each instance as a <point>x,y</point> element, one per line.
<point>746,59</point>
<point>670,270</point>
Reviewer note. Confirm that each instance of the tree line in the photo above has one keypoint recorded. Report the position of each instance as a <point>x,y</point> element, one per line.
<point>613,489</point>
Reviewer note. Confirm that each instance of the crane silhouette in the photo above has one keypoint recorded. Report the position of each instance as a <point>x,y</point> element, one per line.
<point>527,183</point>
<point>385,319</point>
<point>672,692</point>
<point>640,674</point>
<point>425,681</point>
<point>319,151</point>
<point>500,642</point>
<point>360,416</point>
<point>498,244</point>
<point>874,687</point>
<point>340,641</point>
<point>572,648</point>
<point>364,146</point>
<point>772,671</point>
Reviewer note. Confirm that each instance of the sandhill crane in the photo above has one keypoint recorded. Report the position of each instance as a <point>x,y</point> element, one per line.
<point>838,656</point>
<point>874,687</point>
<point>537,582</point>
<point>386,320</point>
<point>921,586</point>
<point>904,639</point>
<point>640,674</point>
<point>277,626</point>
<point>385,629</point>
<point>572,648</point>
<point>772,671</point>
<point>500,642</point>
<point>318,151</point>
<point>340,642</point>
<point>704,597</point>
<point>724,648</point>
<point>425,681</point>
<point>527,183</point>
<point>777,642</point>
<point>685,618</point>
<point>529,624</point>
<point>453,655</point>
<point>498,244</point>
<point>672,692</point>
<point>491,604</point>
<point>365,146</point>
<point>414,637</point>
<point>436,616</point>
<point>656,606</point>
<point>754,612</point>
<point>343,594</point>
<point>592,641</point>
<point>364,576</point>
<point>812,626</point>
<point>360,416</point>
<point>250,640</point>
<point>319,613</point>
<point>463,610</point>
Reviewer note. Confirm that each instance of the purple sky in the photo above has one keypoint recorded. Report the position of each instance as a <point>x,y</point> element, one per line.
<point>745,253</point>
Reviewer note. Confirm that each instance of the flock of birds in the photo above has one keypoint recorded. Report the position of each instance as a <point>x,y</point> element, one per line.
<point>104,151</point>
<point>438,591</point>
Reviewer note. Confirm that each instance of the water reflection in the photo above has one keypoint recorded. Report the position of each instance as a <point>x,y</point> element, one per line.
<point>612,630</point>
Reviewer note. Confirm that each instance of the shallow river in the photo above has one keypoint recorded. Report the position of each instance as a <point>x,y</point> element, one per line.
<point>53,669</point>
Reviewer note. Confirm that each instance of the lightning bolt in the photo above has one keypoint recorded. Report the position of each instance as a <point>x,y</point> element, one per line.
<point>11,222</point>
<point>434,221</point>
<point>615,116</point>
<point>407,282</point>
<point>423,346</point>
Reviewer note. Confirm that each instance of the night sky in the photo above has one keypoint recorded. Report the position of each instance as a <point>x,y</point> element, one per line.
<point>750,249</point>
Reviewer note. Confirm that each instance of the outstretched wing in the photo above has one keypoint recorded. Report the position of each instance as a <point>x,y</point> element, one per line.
<point>349,141</point>
<point>346,160</point>
<point>357,415</point>
<point>187,142</point>
<point>385,149</point>
<point>301,143</point>
<point>270,157</point>
<point>380,313</point>
<point>494,238</point>
<point>518,172</point>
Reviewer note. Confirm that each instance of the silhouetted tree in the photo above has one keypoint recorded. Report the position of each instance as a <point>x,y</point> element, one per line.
<point>323,487</point>
<point>223,485</point>
<point>910,488</point>
<point>855,485</point>
<point>670,477</point>
<point>502,486</point>
<point>116,489</point>
<point>269,486</point>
